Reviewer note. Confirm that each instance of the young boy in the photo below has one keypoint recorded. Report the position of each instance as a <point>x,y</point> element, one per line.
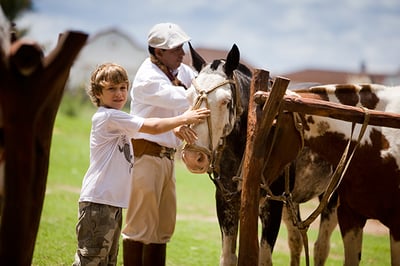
<point>106,185</point>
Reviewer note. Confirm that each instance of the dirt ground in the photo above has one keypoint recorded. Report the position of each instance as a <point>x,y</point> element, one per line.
<point>373,227</point>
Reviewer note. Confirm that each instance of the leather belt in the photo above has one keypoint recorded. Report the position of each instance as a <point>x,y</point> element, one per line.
<point>142,146</point>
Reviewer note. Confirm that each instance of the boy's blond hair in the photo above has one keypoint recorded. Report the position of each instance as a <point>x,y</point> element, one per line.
<point>105,75</point>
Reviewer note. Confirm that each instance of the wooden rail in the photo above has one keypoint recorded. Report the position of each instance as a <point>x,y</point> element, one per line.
<point>333,110</point>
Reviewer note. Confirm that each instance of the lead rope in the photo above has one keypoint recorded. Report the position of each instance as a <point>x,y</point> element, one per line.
<point>337,177</point>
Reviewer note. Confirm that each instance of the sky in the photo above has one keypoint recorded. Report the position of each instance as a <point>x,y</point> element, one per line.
<point>280,36</point>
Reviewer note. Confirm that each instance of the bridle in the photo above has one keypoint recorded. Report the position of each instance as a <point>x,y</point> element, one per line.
<point>202,96</point>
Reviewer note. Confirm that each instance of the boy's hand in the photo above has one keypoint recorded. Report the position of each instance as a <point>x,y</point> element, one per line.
<point>196,116</point>
<point>192,117</point>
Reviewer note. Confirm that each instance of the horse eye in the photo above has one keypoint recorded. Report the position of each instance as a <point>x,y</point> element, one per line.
<point>227,102</point>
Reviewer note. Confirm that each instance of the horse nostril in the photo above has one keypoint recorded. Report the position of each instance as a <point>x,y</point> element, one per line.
<point>200,158</point>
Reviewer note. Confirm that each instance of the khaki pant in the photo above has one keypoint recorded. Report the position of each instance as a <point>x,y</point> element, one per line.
<point>151,214</point>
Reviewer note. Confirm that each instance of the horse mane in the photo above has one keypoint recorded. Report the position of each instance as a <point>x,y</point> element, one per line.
<point>243,77</point>
<point>241,67</point>
<point>245,70</point>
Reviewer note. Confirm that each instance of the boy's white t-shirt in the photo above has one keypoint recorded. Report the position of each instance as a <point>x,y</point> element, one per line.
<point>108,179</point>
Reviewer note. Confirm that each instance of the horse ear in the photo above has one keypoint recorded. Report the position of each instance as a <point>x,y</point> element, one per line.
<point>197,61</point>
<point>232,60</point>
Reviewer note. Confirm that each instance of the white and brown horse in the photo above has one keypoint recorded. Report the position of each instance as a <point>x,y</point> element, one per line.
<point>223,86</point>
<point>370,188</point>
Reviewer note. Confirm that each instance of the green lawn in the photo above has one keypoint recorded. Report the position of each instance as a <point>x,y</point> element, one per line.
<point>197,238</point>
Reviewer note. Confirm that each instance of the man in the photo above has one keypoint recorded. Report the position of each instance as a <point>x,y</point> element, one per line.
<point>158,90</point>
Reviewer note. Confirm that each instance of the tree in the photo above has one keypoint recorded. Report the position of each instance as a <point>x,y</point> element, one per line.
<point>13,8</point>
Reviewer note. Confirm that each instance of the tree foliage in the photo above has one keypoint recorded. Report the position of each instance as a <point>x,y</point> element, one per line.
<point>13,8</point>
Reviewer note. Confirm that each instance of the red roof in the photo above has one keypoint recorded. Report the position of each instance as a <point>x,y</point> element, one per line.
<point>333,77</point>
<point>211,54</point>
<point>303,76</point>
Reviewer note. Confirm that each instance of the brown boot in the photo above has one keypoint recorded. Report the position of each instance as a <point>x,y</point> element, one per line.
<point>154,254</point>
<point>132,252</point>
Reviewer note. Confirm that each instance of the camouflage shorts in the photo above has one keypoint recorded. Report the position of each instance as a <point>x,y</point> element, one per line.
<point>98,232</point>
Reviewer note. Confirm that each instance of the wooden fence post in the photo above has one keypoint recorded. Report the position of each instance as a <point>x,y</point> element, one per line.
<point>31,88</point>
<point>257,130</point>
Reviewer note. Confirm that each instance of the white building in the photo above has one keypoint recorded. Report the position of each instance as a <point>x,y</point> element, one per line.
<point>110,45</point>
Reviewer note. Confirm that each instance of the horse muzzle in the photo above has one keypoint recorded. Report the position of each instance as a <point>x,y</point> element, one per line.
<point>196,161</point>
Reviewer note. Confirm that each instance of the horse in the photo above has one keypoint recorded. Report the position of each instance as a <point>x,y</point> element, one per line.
<point>370,187</point>
<point>223,86</point>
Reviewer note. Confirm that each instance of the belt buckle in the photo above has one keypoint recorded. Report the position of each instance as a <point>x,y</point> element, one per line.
<point>165,152</point>
<point>162,152</point>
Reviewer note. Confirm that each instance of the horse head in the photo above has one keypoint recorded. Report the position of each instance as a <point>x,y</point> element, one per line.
<point>217,88</point>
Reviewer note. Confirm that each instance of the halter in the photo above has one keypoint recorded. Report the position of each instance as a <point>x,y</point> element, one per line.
<point>202,97</point>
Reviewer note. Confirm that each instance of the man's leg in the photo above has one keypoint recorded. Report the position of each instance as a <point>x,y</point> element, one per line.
<point>132,252</point>
<point>154,254</point>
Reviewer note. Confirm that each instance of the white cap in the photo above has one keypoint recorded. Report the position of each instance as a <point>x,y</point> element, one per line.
<point>166,36</point>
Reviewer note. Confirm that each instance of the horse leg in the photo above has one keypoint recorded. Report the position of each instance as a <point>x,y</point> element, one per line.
<point>327,224</point>
<point>351,228</point>
<point>270,216</point>
<point>295,240</point>
<point>2,163</point>
<point>228,218</point>
<point>394,229</point>
<point>394,250</point>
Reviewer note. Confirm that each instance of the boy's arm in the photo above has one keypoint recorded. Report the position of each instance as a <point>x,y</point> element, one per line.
<point>160,125</point>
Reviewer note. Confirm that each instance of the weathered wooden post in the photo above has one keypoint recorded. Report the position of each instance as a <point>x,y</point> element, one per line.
<point>258,129</point>
<point>31,88</point>
<point>248,235</point>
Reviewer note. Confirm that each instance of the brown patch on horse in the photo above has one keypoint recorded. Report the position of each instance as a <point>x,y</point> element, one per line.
<point>318,93</point>
<point>367,98</point>
<point>347,94</point>
<point>374,190</point>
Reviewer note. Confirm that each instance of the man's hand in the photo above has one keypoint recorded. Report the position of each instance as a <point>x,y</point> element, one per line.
<point>186,133</point>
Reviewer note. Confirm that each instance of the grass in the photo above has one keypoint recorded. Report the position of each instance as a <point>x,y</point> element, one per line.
<point>197,238</point>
